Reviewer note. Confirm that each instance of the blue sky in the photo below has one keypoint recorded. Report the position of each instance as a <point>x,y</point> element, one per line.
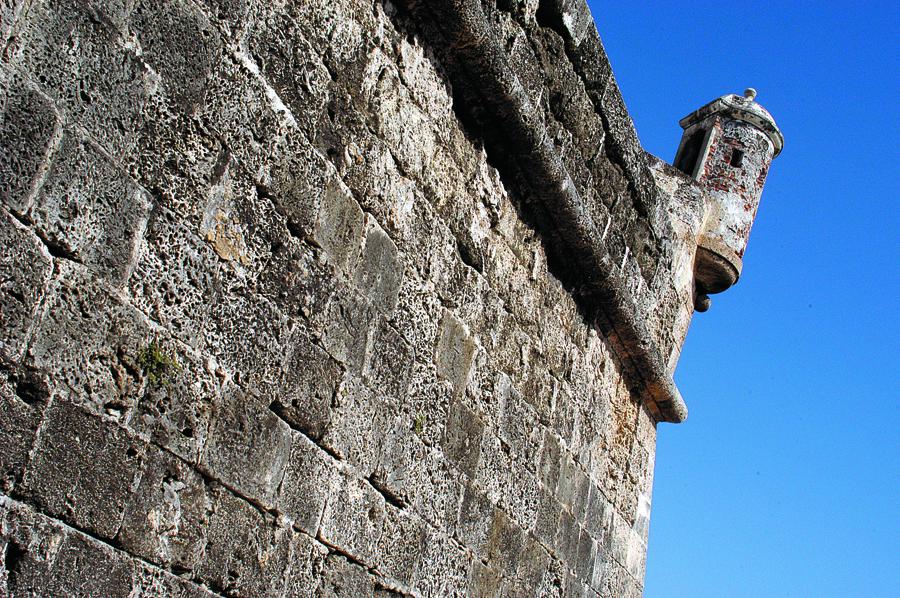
<point>784,479</point>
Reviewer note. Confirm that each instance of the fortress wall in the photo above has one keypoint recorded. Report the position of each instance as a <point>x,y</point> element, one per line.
<point>275,324</point>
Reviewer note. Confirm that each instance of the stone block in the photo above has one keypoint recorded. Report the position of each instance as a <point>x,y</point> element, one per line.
<point>461,442</point>
<point>300,282</point>
<point>454,352</point>
<point>247,552</point>
<point>521,499</point>
<point>388,364</point>
<point>175,412</point>
<point>401,545</point>
<point>443,569</point>
<point>166,517</point>
<point>597,513</point>
<point>91,212</point>
<point>505,542</point>
<point>248,446</point>
<point>102,86</point>
<point>473,527</point>
<point>25,271</point>
<point>85,567</point>
<point>89,343</point>
<point>401,460</point>
<point>379,272</point>
<point>309,475</point>
<point>175,280</point>
<point>82,469</point>
<point>353,519</point>
<point>306,392</point>
<point>29,131</point>
<point>341,578</point>
<point>494,470</point>
<point>250,339</point>
<point>152,581</point>
<point>246,114</point>
<point>307,561</point>
<point>179,43</point>
<point>292,66</point>
<point>583,564</point>
<point>340,225</point>
<point>348,329</point>
<point>518,427</point>
<point>546,525</point>
<point>549,464</point>
<point>485,581</point>
<point>23,397</point>
<point>437,491</point>
<point>427,403</point>
<point>533,563</point>
<point>418,313</point>
<point>30,543</point>
<point>360,422</point>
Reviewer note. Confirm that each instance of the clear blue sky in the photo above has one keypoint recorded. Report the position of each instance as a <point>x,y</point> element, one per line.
<point>784,479</point>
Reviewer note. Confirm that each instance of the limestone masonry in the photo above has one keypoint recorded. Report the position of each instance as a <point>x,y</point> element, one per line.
<point>342,297</point>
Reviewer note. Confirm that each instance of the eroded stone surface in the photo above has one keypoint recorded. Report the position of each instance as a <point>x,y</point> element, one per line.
<point>279,318</point>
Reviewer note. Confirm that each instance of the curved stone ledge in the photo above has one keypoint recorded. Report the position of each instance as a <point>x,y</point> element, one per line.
<point>479,63</point>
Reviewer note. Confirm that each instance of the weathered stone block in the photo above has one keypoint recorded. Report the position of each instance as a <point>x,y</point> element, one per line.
<point>504,545</point>
<point>473,527</point>
<point>454,352</point>
<point>389,363</point>
<point>309,475</point>
<point>354,518</point>
<point>176,278</point>
<point>379,271</point>
<point>548,517</point>
<point>180,43</point>
<point>248,447</point>
<point>444,567</point>
<point>29,130</point>
<point>359,424</point>
<point>307,561</point>
<point>102,86</point>
<point>175,411</point>
<point>306,395</point>
<point>401,544</point>
<point>89,343</point>
<point>30,543</point>
<point>533,563</point>
<point>300,282</point>
<point>89,211</point>
<point>340,226</point>
<point>23,396</point>
<point>341,578</point>
<point>437,491</point>
<point>292,66</point>
<point>166,517</point>
<point>82,469</point>
<point>85,567</point>
<point>427,403</point>
<point>250,340</point>
<point>25,271</point>
<point>462,438</point>
<point>400,460</point>
<point>484,581</point>
<point>247,552</point>
<point>348,329</point>
<point>518,426</point>
<point>152,581</point>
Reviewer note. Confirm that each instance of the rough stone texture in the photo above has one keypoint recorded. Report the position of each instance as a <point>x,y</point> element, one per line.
<point>283,314</point>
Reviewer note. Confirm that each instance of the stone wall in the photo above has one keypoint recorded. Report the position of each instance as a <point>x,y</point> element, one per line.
<point>282,314</point>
